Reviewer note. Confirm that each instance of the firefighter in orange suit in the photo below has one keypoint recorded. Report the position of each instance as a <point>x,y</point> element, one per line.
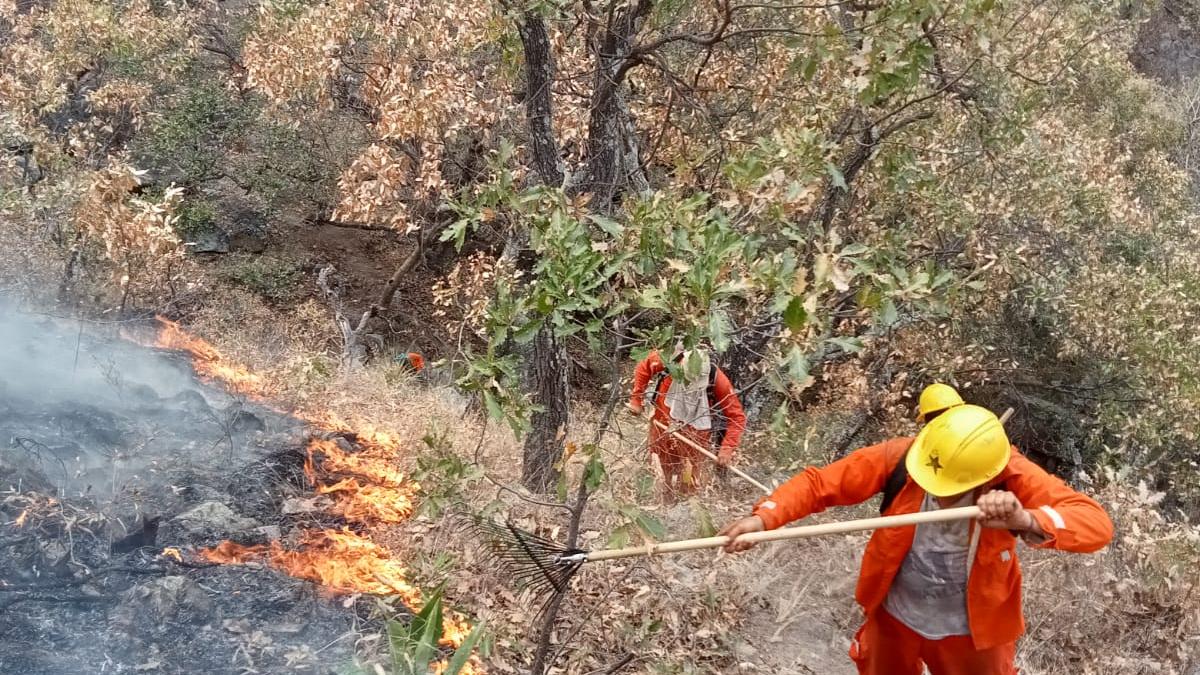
<point>946,596</point>
<point>701,406</point>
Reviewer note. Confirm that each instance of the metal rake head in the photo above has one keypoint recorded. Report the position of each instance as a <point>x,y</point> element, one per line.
<point>541,565</point>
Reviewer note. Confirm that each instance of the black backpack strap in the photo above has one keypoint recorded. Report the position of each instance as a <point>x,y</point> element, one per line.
<point>895,483</point>
<point>652,394</point>
<point>899,477</point>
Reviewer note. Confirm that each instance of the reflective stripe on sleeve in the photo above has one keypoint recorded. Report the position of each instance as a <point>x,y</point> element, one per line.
<point>1059,523</point>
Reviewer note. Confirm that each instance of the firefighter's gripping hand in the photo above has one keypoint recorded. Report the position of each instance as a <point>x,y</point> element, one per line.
<point>725,457</point>
<point>1003,511</point>
<point>635,409</point>
<point>739,527</point>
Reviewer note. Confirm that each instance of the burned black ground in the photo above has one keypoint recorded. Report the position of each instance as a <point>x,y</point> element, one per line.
<point>114,452</point>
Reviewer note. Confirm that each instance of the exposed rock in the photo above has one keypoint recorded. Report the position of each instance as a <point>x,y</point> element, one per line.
<point>248,240</point>
<point>209,241</point>
<point>208,521</point>
<point>144,393</point>
<point>191,402</point>
<point>88,421</point>
<point>243,420</point>
<point>244,223</point>
<point>240,225</point>
<point>156,603</point>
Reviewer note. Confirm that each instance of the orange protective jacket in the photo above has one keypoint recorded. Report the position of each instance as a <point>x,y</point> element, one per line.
<point>1071,521</point>
<point>726,398</point>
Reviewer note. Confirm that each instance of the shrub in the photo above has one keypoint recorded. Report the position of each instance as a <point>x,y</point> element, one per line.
<point>275,279</point>
<point>196,217</point>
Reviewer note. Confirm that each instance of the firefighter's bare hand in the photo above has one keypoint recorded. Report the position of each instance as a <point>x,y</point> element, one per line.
<point>725,457</point>
<point>1003,511</point>
<point>635,409</point>
<point>739,527</point>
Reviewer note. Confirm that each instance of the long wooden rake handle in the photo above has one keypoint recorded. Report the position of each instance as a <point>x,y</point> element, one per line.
<point>902,520</point>
<point>939,516</point>
<point>705,451</point>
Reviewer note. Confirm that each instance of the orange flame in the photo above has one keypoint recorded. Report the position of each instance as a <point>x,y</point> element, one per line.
<point>364,435</point>
<point>209,363</point>
<point>369,503</point>
<point>173,553</point>
<point>341,560</point>
<point>367,464</point>
<point>455,628</point>
<point>370,489</point>
<point>229,553</point>
<point>20,521</point>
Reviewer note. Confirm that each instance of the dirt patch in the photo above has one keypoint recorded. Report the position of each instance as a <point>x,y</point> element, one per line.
<point>364,259</point>
<point>1168,46</point>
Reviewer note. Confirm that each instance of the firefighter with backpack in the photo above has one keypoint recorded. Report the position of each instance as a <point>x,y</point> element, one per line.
<point>942,596</point>
<point>700,405</point>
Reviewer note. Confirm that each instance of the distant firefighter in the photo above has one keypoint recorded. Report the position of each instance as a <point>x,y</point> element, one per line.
<point>936,399</point>
<point>701,406</point>
<point>411,361</point>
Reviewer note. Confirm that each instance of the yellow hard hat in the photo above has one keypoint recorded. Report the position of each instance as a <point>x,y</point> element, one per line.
<point>961,449</point>
<point>936,398</point>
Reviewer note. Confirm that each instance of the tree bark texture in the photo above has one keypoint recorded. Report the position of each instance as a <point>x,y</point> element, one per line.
<point>542,658</point>
<point>539,108</point>
<point>547,379</point>
<point>613,162</point>
<point>741,362</point>
<point>546,370</point>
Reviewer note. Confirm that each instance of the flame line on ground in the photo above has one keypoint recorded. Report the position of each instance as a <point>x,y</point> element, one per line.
<point>387,497</point>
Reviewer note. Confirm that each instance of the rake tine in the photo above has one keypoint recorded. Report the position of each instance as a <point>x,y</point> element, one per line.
<point>535,550</point>
<point>546,603</point>
<point>531,578</point>
<point>556,577</point>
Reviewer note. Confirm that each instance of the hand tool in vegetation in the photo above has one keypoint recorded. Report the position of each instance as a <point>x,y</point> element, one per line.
<point>704,451</point>
<point>547,566</point>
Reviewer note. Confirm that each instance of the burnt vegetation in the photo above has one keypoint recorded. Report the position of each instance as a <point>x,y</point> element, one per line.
<point>102,475</point>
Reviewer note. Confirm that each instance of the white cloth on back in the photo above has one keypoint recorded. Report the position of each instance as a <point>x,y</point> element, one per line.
<point>687,398</point>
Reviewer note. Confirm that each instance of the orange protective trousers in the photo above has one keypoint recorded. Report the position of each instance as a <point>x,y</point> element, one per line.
<point>885,646</point>
<point>681,464</point>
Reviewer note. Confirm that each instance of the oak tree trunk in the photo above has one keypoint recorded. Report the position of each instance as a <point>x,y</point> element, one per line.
<point>613,154</point>
<point>546,377</point>
<point>539,111</point>
<point>546,363</point>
